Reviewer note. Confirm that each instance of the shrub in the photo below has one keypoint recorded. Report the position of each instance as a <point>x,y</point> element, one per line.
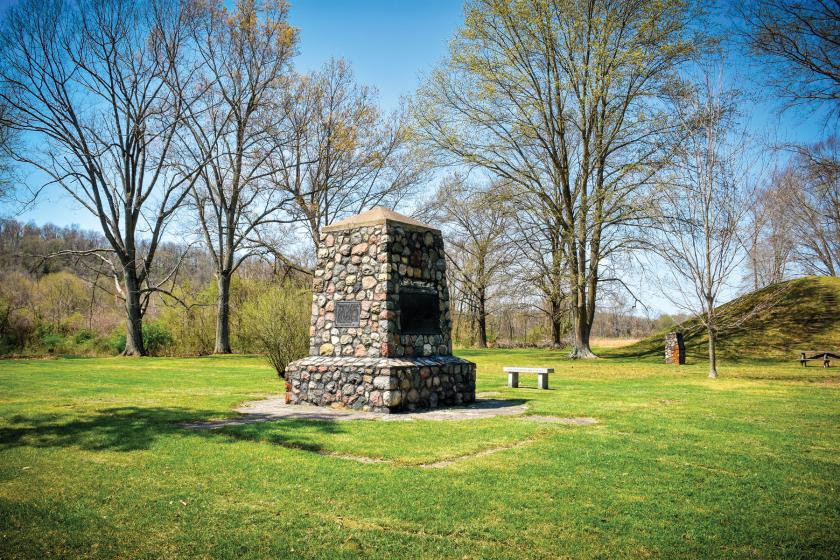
<point>61,299</point>
<point>116,343</point>
<point>52,341</point>
<point>17,322</point>
<point>84,336</point>
<point>193,329</point>
<point>278,322</point>
<point>156,338</point>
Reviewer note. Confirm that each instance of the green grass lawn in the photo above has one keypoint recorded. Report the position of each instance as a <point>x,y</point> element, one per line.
<point>93,464</point>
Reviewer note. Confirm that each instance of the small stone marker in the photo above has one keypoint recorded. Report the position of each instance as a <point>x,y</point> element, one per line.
<point>674,348</point>
<point>542,375</point>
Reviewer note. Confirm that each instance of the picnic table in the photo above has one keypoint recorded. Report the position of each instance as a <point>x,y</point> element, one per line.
<point>825,355</point>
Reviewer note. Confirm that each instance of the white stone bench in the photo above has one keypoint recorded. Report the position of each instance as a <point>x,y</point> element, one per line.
<point>542,375</point>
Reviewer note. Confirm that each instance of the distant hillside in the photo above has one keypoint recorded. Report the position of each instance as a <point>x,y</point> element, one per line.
<point>775,322</point>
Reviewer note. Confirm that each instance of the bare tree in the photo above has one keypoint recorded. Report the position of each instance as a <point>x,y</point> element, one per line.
<point>769,236</point>
<point>703,202</point>
<point>536,234</point>
<point>478,247</point>
<point>6,145</point>
<point>801,42</point>
<point>814,200</point>
<point>557,99</point>
<point>339,155</point>
<point>244,56</point>
<point>98,87</point>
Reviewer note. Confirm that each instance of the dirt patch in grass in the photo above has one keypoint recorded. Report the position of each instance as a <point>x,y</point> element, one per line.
<point>579,421</point>
<point>439,464</point>
<point>443,463</point>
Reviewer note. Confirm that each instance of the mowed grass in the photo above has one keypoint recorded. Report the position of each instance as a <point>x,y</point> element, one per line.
<point>94,464</point>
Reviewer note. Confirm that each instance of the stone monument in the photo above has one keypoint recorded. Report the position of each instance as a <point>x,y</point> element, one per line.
<point>380,337</point>
<point>674,348</point>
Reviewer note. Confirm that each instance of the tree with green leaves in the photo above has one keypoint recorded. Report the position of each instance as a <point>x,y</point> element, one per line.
<point>558,98</point>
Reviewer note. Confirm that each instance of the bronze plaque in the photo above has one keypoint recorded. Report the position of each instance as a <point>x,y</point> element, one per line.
<point>347,313</point>
<point>419,312</point>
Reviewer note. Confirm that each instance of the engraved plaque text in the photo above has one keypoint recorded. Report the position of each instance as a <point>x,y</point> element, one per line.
<point>347,313</point>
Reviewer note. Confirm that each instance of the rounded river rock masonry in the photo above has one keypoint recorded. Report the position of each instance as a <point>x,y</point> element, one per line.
<point>380,338</point>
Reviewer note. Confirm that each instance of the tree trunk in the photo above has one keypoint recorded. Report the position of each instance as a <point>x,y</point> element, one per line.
<point>581,348</point>
<point>134,316</point>
<point>555,333</point>
<point>482,321</point>
<point>223,315</point>
<point>472,327</point>
<point>712,354</point>
<point>556,327</point>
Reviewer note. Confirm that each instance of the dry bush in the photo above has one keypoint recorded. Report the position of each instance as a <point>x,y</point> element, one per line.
<point>277,320</point>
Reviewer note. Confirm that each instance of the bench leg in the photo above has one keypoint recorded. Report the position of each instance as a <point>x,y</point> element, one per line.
<point>542,380</point>
<point>513,379</point>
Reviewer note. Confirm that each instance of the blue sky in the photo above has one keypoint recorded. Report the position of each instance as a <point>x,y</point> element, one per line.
<point>389,44</point>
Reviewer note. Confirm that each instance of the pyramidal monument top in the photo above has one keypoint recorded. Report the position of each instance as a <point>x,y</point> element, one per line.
<point>377,215</point>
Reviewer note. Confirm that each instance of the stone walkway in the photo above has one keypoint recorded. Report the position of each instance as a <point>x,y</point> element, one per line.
<point>276,409</point>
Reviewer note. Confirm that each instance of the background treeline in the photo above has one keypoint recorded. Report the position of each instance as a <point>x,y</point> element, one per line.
<point>67,305</point>
<point>563,147</point>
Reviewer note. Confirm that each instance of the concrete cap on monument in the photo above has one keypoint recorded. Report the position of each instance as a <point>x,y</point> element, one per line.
<point>375,216</point>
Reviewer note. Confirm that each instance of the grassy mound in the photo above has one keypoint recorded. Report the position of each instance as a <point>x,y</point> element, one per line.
<point>775,322</point>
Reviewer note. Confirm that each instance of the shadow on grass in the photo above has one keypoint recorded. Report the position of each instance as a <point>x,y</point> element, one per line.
<point>291,434</point>
<point>480,404</point>
<point>134,428</point>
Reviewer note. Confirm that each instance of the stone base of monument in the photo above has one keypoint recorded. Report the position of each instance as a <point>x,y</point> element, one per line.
<point>381,384</point>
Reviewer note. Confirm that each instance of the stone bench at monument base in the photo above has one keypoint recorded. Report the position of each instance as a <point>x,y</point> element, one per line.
<point>542,375</point>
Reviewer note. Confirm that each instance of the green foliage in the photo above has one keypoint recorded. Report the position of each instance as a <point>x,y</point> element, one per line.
<point>116,343</point>
<point>156,338</point>
<point>52,341</point>
<point>193,328</point>
<point>60,299</point>
<point>83,336</point>
<point>277,322</point>
<point>59,304</point>
<point>17,322</point>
